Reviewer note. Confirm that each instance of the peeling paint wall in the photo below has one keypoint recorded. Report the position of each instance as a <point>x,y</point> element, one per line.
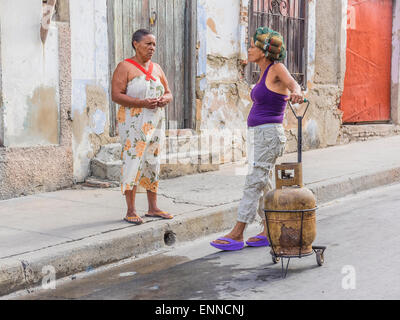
<point>30,79</point>
<point>223,94</point>
<point>54,115</point>
<point>1,97</point>
<point>223,101</point>
<point>325,75</point>
<point>90,82</point>
<point>55,101</point>
<point>35,90</point>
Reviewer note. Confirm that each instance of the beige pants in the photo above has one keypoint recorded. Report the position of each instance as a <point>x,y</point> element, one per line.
<point>265,144</point>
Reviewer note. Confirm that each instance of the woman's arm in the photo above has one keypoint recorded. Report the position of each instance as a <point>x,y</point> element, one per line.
<point>118,91</point>
<point>296,95</point>
<point>167,97</point>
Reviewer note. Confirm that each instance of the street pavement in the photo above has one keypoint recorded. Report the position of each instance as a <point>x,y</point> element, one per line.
<point>361,262</point>
<point>82,229</point>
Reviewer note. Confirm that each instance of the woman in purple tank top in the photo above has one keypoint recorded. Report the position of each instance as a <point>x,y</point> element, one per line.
<point>266,136</point>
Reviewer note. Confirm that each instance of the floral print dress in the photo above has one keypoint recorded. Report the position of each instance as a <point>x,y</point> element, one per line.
<point>142,133</point>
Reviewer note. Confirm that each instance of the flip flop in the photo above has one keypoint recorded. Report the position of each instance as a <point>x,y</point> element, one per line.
<point>262,243</point>
<point>161,215</point>
<point>233,245</point>
<point>134,220</point>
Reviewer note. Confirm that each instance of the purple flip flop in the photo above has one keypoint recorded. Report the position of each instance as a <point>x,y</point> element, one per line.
<point>233,245</point>
<point>262,243</point>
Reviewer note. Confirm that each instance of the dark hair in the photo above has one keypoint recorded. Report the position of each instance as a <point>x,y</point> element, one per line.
<point>139,34</point>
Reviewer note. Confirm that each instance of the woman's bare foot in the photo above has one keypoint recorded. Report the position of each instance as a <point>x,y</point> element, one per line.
<point>263,233</point>
<point>131,213</point>
<point>236,234</point>
<point>233,236</point>
<point>155,212</point>
<point>254,239</point>
<point>159,214</point>
<point>131,216</point>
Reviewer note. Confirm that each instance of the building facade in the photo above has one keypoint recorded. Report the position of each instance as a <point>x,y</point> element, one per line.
<point>56,111</point>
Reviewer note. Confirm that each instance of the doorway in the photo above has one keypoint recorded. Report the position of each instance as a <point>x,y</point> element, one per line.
<point>170,21</point>
<point>367,86</point>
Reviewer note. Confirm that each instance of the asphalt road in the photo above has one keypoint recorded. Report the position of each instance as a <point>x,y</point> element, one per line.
<point>361,233</point>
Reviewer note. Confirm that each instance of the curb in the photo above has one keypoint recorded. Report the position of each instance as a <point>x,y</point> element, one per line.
<point>25,271</point>
<point>344,186</point>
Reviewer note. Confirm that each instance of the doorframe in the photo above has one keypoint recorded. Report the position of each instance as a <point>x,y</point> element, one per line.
<point>189,63</point>
<point>395,77</point>
<point>2,124</point>
<point>111,65</point>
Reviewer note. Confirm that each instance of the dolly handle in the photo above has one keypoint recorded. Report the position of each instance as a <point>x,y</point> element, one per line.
<point>294,112</point>
<point>299,130</point>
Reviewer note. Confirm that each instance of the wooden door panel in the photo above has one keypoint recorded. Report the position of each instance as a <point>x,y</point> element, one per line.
<point>366,96</point>
<point>179,44</point>
<point>169,29</point>
<point>135,15</point>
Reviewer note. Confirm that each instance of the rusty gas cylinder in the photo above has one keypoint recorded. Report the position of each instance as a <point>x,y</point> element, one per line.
<point>290,212</point>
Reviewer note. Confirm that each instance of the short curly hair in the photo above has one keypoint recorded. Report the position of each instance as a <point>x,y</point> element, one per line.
<point>271,42</point>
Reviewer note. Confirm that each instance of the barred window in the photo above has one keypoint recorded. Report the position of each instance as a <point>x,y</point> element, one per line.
<point>289,18</point>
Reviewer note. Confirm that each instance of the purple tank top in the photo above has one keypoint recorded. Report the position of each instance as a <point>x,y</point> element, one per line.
<point>268,106</point>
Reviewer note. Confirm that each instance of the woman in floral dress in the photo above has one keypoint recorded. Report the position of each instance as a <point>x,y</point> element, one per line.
<point>141,89</point>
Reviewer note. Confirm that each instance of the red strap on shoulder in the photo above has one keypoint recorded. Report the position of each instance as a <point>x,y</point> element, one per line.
<point>147,73</point>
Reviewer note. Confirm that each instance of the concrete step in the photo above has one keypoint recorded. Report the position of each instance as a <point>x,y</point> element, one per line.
<point>107,163</point>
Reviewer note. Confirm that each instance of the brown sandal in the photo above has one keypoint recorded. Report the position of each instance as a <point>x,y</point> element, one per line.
<point>134,220</point>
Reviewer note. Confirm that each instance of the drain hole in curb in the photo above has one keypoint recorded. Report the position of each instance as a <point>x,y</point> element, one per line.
<point>169,238</point>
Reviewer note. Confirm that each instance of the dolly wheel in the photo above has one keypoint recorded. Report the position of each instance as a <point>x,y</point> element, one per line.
<point>320,257</point>
<point>275,259</point>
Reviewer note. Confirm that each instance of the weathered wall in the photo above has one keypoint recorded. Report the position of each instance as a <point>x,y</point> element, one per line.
<point>223,101</point>
<point>30,86</point>
<point>326,70</point>
<point>26,170</point>
<point>55,111</point>
<point>90,82</point>
<point>54,116</point>
<point>1,98</point>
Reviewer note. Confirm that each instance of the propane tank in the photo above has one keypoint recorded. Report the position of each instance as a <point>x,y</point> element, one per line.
<point>290,213</point>
<point>290,208</point>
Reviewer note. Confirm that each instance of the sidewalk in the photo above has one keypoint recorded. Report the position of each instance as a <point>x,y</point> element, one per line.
<point>78,229</point>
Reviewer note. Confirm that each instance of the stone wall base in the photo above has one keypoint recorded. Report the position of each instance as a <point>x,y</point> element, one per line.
<point>364,132</point>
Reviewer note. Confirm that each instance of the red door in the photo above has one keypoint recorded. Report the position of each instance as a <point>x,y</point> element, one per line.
<point>366,96</point>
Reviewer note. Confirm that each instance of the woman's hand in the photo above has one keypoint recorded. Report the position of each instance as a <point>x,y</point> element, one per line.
<point>163,101</point>
<point>296,97</point>
<point>150,103</point>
